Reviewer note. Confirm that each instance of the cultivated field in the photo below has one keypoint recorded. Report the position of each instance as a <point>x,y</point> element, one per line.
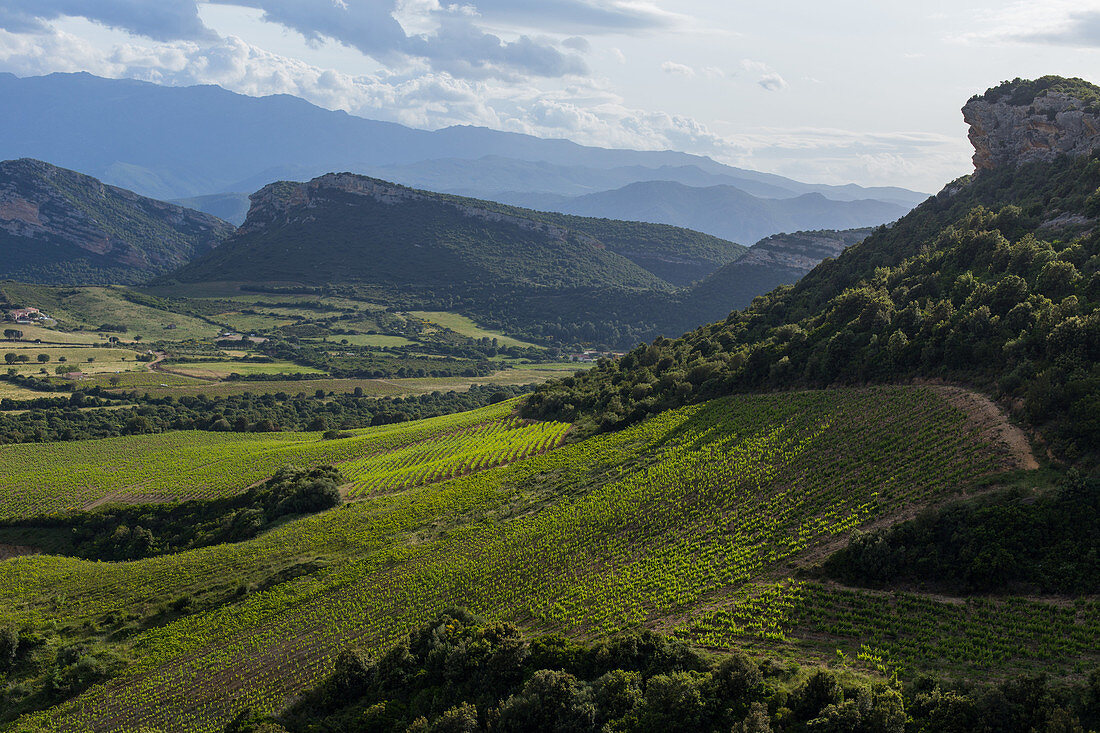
<point>662,523</point>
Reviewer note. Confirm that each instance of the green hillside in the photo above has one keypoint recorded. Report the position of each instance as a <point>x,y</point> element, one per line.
<point>685,522</point>
<point>59,226</point>
<point>994,282</point>
<point>548,277</point>
<point>347,228</point>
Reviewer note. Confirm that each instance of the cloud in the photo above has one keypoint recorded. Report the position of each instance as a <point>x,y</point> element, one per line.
<point>767,77</point>
<point>422,98</point>
<point>671,67</point>
<point>577,44</point>
<point>1080,29</point>
<point>456,44</point>
<point>580,109</point>
<point>572,15</point>
<point>161,20</point>
<point>773,82</point>
<point>1055,23</point>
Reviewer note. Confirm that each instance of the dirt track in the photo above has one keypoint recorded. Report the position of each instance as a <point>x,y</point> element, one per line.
<point>9,551</point>
<point>993,425</point>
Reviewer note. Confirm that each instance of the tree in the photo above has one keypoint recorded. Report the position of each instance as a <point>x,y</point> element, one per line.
<point>13,333</point>
<point>551,701</point>
<point>10,357</point>
<point>43,358</point>
<point>673,702</point>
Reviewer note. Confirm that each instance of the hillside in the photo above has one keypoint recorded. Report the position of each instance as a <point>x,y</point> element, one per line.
<point>781,259</point>
<point>728,212</point>
<point>994,282</point>
<point>552,277</point>
<point>58,226</point>
<point>348,228</point>
<point>691,523</point>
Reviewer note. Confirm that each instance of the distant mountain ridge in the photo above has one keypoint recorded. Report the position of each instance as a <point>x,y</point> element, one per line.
<point>59,226</point>
<point>344,227</point>
<point>185,142</point>
<point>726,211</point>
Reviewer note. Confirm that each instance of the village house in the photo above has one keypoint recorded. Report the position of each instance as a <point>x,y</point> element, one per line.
<point>26,315</point>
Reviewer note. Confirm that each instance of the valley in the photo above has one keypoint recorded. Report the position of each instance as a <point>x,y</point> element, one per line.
<point>398,459</point>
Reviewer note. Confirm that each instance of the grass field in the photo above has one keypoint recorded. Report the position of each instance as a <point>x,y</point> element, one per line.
<point>53,336</point>
<point>663,522</point>
<point>222,369</point>
<point>465,326</point>
<point>76,359</point>
<point>372,339</point>
<point>92,306</point>
<point>15,392</point>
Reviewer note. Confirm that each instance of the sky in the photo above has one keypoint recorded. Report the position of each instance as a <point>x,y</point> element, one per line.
<point>844,91</point>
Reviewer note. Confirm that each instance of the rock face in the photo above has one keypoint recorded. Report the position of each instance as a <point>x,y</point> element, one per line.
<point>1032,121</point>
<point>59,226</point>
<point>800,252</point>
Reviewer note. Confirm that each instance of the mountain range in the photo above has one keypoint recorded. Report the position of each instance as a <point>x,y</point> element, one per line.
<point>187,142</point>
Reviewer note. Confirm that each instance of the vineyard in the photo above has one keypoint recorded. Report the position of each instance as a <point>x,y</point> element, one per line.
<point>903,632</point>
<point>53,477</point>
<point>673,516</point>
<point>475,449</point>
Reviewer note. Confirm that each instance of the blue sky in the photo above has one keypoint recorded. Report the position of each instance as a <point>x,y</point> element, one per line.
<point>835,92</point>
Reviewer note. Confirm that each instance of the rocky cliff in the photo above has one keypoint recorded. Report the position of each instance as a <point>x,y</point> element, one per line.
<point>1027,121</point>
<point>59,226</point>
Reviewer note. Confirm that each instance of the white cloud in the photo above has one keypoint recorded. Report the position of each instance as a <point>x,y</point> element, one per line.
<point>449,37</point>
<point>1053,22</point>
<point>767,77</point>
<point>773,82</point>
<point>671,67</point>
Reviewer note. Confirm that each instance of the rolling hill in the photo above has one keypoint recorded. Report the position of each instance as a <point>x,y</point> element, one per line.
<point>545,275</point>
<point>58,226</point>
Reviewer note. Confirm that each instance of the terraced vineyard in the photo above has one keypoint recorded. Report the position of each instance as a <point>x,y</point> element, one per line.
<point>665,519</point>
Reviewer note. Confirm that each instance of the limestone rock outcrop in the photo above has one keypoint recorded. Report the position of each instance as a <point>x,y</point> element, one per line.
<point>1027,121</point>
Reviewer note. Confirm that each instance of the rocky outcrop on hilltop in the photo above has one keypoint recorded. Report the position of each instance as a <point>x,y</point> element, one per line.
<point>800,251</point>
<point>55,221</point>
<point>1031,121</point>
